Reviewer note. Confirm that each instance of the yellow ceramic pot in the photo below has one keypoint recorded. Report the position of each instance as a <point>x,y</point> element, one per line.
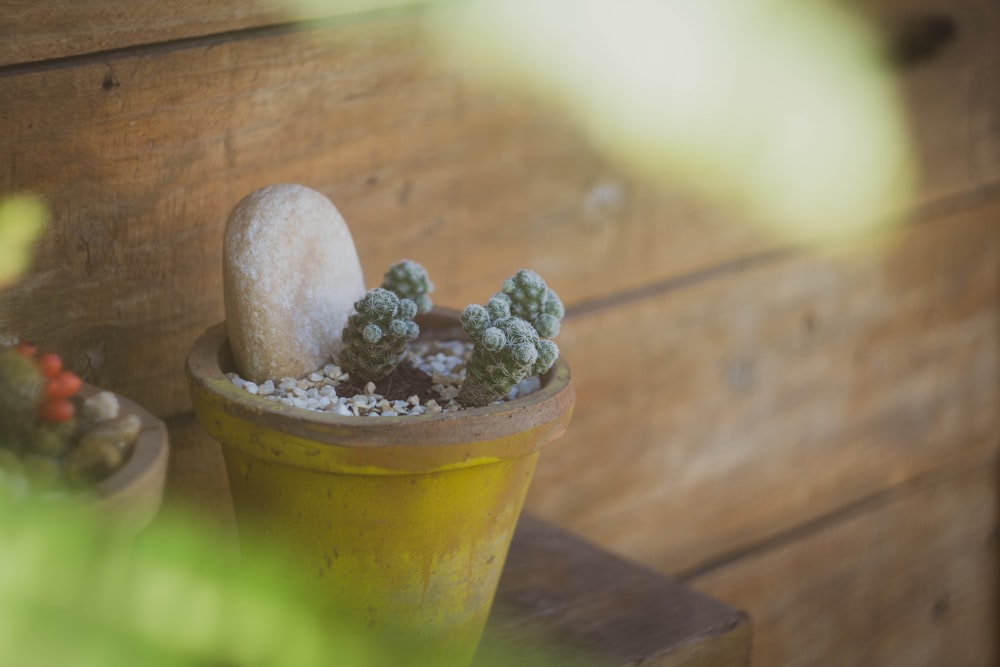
<point>403,521</point>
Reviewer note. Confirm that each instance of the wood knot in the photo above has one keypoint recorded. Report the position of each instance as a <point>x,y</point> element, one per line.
<point>917,40</point>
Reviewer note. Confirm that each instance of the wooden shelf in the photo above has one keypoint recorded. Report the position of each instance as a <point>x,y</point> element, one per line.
<point>583,606</point>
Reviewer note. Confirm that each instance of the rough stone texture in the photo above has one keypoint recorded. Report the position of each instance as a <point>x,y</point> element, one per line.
<point>291,276</point>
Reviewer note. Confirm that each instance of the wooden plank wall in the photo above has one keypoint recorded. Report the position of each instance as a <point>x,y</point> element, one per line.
<point>811,436</point>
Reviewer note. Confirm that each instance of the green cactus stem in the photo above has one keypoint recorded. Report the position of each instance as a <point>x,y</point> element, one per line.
<point>532,300</point>
<point>509,338</point>
<point>377,333</point>
<point>408,280</point>
<point>21,386</point>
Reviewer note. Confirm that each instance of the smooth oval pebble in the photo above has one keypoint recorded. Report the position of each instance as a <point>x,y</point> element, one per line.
<point>291,276</point>
<point>92,461</point>
<point>121,432</point>
<point>51,441</point>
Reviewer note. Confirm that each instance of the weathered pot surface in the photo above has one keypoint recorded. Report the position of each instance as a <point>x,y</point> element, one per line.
<point>404,522</point>
<point>459,436</point>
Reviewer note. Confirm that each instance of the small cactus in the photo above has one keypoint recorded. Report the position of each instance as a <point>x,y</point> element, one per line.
<point>532,300</point>
<point>376,334</point>
<point>40,432</point>
<point>508,335</point>
<point>408,280</point>
<point>510,332</point>
<point>21,387</point>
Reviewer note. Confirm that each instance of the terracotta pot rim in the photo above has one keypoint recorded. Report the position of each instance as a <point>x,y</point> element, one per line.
<point>135,490</point>
<point>209,385</point>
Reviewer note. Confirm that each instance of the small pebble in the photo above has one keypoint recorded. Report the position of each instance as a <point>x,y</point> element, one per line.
<point>102,405</point>
<point>317,390</point>
<point>121,432</point>
<point>92,461</point>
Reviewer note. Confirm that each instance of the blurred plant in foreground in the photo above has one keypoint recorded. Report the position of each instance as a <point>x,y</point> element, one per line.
<point>76,592</point>
<point>784,111</point>
<point>22,219</point>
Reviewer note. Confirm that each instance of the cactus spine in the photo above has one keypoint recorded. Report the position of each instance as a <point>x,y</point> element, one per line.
<point>408,280</point>
<point>377,333</point>
<point>509,338</point>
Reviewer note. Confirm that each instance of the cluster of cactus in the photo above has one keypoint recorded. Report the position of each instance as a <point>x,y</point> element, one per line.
<point>46,439</point>
<point>376,335</point>
<point>509,335</point>
<point>36,408</point>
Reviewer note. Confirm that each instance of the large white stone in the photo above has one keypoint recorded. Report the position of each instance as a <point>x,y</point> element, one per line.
<point>291,276</point>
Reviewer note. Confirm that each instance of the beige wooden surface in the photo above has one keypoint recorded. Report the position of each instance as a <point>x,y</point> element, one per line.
<point>140,178</point>
<point>34,30</point>
<point>140,167</point>
<point>952,94</point>
<point>781,391</point>
<point>590,608</point>
<point>908,577</point>
<point>734,393</point>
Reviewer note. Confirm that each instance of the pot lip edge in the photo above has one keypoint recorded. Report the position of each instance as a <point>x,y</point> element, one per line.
<point>136,489</point>
<point>209,384</point>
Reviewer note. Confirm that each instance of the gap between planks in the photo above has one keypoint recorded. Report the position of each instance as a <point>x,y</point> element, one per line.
<point>987,456</point>
<point>923,213</point>
<point>210,40</point>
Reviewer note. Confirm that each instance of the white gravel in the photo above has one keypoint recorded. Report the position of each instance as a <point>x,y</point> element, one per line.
<point>444,361</point>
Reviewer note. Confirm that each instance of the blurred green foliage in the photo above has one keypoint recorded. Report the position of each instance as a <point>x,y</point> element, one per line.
<point>787,113</point>
<point>783,111</point>
<point>75,592</point>
<point>80,590</point>
<point>22,219</point>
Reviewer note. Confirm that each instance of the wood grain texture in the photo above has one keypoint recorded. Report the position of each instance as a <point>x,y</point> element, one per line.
<point>196,475</point>
<point>594,609</point>
<point>35,30</point>
<point>141,154</point>
<point>909,579</point>
<point>731,392</point>
<point>711,416</point>
<point>141,174</point>
<point>949,87</point>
